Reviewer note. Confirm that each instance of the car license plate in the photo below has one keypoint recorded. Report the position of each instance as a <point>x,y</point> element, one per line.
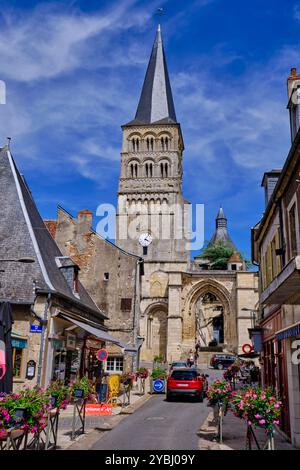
<point>183,385</point>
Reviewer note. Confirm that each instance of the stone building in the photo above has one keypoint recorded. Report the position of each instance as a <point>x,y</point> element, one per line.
<point>57,326</point>
<point>276,248</point>
<point>111,276</point>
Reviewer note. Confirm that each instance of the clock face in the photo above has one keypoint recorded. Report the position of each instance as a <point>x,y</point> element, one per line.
<point>145,239</point>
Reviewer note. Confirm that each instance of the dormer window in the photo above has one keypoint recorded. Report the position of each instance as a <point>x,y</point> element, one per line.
<point>75,281</point>
<point>70,271</point>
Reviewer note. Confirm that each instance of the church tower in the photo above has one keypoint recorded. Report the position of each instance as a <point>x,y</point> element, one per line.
<point>152,215</point>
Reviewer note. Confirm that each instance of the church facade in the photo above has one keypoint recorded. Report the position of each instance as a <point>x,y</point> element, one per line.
<point>175,303</point>
<point>182,304</point>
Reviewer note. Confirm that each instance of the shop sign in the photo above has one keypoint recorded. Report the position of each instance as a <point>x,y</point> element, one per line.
<point>70,341</point>
<point>98,409</point>
<point>30,369</point>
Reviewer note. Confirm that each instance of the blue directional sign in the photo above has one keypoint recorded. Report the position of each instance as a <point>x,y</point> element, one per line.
<point>158,385</point>
<point>35,328</point>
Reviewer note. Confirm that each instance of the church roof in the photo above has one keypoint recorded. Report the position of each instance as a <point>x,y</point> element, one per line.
<point>156,102</point>
<point>235,258</point>
<point>221,233</point>
<point>23,234</point>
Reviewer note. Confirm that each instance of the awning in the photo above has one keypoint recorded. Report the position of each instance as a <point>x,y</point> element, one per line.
<point>288,332</point>
<point>101,334</point>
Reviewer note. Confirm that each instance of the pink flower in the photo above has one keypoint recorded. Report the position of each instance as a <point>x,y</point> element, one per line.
<point>5,412</point>
<point>275,421</point>
<point>263,397</point>
<point>7,418</point>
<point>276,405</point>
<point>249,422</point>
<point>262,421</point>
<point>257,416</point>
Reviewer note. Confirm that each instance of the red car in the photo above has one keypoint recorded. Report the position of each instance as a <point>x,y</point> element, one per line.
<point>184,382</point>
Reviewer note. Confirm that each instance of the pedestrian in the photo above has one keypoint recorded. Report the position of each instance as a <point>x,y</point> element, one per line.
<point>191,359</point>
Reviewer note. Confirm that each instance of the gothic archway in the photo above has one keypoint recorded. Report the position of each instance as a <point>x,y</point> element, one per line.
<point>157,330</point>
<point>207,315</point>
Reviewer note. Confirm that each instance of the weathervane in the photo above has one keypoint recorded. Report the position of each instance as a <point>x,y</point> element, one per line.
<point>160,12</point>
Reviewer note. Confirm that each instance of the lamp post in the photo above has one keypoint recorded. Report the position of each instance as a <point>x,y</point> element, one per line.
<point>253,315</point>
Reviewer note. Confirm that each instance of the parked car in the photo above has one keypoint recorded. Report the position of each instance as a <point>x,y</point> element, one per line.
<point>182,382</point>
<point>222,361</point>
<point>178,365</point>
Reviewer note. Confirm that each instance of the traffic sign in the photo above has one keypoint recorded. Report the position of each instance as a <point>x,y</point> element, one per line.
<point>158,385</point>
<point>247,348</point>
<point>102,354</point>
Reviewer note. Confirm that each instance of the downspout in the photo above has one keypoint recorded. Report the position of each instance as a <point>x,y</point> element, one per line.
<point>41,353</point>
<point>135,362</point>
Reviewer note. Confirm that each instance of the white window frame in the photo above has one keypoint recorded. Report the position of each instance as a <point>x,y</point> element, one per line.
<point>118,364</point>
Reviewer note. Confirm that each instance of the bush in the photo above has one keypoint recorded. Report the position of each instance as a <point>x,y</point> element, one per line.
<point>158,373</point>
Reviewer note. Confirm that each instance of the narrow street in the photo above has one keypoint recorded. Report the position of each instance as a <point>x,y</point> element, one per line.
<point>158,425</point>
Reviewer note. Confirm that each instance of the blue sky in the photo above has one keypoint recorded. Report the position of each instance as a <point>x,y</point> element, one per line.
<point>74,71</point>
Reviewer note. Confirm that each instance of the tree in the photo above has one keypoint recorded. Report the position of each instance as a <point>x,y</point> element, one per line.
<point>217,255</point>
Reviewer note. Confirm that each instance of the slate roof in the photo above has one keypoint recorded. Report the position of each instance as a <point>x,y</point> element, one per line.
<point>24,234</point>
<point>156,102</point>
<point>221,233</point>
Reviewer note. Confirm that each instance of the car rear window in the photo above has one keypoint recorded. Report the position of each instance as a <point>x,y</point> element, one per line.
<point>184,375</point>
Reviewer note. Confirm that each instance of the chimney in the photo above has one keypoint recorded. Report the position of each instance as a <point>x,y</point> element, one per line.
<point>291,80</point>
<point>84,221</point>
<point>269,182</point>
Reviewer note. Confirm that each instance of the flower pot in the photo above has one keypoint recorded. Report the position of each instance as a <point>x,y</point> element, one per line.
<point>53,401</point>
<point>78,393</point>
<point>20,413</point>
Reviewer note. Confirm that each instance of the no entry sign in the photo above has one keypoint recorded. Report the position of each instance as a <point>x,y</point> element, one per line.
<point>102,354</point>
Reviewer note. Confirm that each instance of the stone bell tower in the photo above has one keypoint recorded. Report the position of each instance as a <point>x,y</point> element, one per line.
<point>152,216</point>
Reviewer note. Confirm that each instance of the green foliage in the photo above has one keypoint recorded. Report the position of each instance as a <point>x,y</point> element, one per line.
<point>158,373</point>
<point>84,384</point>
<point>218,255</point>
<point>158,358</point>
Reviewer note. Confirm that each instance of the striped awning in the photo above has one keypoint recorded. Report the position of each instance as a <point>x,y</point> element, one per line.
<point>289,332</point>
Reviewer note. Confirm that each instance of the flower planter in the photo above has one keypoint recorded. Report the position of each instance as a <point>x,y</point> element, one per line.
<point>78,393</point>
<point>53,401</point>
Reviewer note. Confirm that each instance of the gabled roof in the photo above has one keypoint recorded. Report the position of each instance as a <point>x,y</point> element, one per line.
<point>24,234</point>
<point>156,102</point>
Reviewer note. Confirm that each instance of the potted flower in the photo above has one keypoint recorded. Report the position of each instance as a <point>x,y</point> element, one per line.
<point>258,407</point>
<point>82,388</point>
<point>219,393</point>
<point>127,378</point>
<point>59,394</point>
<point>142,373</point>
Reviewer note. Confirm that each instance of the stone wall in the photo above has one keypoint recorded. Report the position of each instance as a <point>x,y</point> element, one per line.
<point>108,273</point>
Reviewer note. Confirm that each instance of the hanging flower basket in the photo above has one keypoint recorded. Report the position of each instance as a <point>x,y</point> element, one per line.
<point>258,407</point>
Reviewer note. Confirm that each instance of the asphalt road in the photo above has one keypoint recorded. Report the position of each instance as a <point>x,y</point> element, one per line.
<point>158,425</point>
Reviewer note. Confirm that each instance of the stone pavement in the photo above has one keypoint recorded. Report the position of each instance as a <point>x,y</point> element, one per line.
<point>234,435</point>
<point>94,425</point>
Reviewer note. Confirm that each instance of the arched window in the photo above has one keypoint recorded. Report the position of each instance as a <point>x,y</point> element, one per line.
<point>133,170</point>
<point>135,144</point>
<point>149,170</point>
<point>162,140</point>
<point>167,143</point>
<point>164,169</point>
<point>152,144</point>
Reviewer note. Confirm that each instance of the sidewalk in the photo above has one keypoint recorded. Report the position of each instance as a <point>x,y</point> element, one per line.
<point>94,425</point>
<point>234,435</point>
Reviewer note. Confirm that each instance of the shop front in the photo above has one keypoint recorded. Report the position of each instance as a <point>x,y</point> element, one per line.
<point>275,365</point>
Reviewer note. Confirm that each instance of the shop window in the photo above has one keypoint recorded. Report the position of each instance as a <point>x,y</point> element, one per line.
<point>115,364</point>
<point>18,350</point>
<point>126,304</point>
<point>17,361</point>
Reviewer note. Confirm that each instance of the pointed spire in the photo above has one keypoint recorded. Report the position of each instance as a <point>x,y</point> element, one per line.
<point>156,101</point>
<point>221,220</point>
<point>221,233</point>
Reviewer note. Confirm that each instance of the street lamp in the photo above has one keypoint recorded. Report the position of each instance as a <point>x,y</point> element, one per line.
<point>253,315</point>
